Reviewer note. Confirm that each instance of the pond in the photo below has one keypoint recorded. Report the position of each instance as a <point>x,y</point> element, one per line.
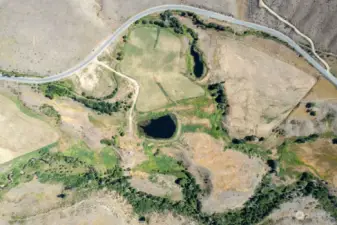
<point>198,68</point>
<point>162,127</point>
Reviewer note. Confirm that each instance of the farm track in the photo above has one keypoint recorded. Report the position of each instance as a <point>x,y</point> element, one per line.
<point>135,96</point>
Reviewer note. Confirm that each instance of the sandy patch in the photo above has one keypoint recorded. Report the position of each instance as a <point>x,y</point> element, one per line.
<point>21,133</point>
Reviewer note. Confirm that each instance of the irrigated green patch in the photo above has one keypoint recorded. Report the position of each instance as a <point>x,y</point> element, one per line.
<point>158,163</point>
<point>65,167</point>
<point>50,111</point>
<point>290,164</point>
<point>101,160</point>
<point>251,150</point>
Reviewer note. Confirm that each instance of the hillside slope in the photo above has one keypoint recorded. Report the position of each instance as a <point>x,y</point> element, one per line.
<point>317,19</point>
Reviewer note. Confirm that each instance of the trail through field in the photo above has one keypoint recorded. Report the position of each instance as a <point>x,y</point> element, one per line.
<point>135,96</point>
<point>263,5</point>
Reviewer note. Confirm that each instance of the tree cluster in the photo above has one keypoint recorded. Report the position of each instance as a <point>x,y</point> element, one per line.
<point>310,138</point>
<point>218,92</point>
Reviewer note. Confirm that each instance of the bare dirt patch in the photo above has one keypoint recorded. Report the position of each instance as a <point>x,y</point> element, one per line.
<point>21,133</point>
<point>233,175</point>
<point>299,211</point>
<point>94,80</point>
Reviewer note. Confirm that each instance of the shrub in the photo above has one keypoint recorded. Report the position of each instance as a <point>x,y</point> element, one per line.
<point>312,113</point>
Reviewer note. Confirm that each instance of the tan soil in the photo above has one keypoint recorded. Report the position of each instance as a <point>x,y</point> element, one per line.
<point>233,175</point>
<point>20,133</point>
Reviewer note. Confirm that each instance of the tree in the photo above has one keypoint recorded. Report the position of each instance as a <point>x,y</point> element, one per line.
<point>309,105</point>
<point>334,141</point>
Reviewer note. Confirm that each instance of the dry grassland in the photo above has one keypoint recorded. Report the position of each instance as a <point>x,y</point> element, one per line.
<point>321,155</point>
<point>233,175</point>
<point>77,121</point>
<point>323,90</point>
<point>19,200</point>
<point>101,208</point>
<point>324,97</point>
<point>94,80</point>
<point>156,59</point>
<point>161,185</point>
<point>21,133</point>
<point>261,90</point>
<point>46,36</point>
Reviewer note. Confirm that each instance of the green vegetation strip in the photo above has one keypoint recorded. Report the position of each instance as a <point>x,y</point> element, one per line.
<point>62,88</point>
<point>76,169</point>
<point>289,161</point>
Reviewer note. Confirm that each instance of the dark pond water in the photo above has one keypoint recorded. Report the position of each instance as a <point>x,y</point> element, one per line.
<point>161,128</point>
<point>198,69</point>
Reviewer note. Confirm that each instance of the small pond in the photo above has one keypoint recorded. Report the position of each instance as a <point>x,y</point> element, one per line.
<point>162,127</point>
<point>198,68</point>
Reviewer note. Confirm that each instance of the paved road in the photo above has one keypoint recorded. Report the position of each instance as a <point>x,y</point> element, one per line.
<point>202,12</point>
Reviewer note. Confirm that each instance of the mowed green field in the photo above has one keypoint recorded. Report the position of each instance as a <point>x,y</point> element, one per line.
<point>156,59</point>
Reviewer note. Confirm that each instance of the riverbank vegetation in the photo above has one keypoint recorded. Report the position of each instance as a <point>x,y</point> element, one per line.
<point>65,89</point>
<point>78,171</point>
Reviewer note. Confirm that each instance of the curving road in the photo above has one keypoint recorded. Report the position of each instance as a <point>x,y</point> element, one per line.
<point>161,8</point>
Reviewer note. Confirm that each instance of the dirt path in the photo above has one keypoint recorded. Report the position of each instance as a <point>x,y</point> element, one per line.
<point>135,96</point>
<point>263,5</point>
